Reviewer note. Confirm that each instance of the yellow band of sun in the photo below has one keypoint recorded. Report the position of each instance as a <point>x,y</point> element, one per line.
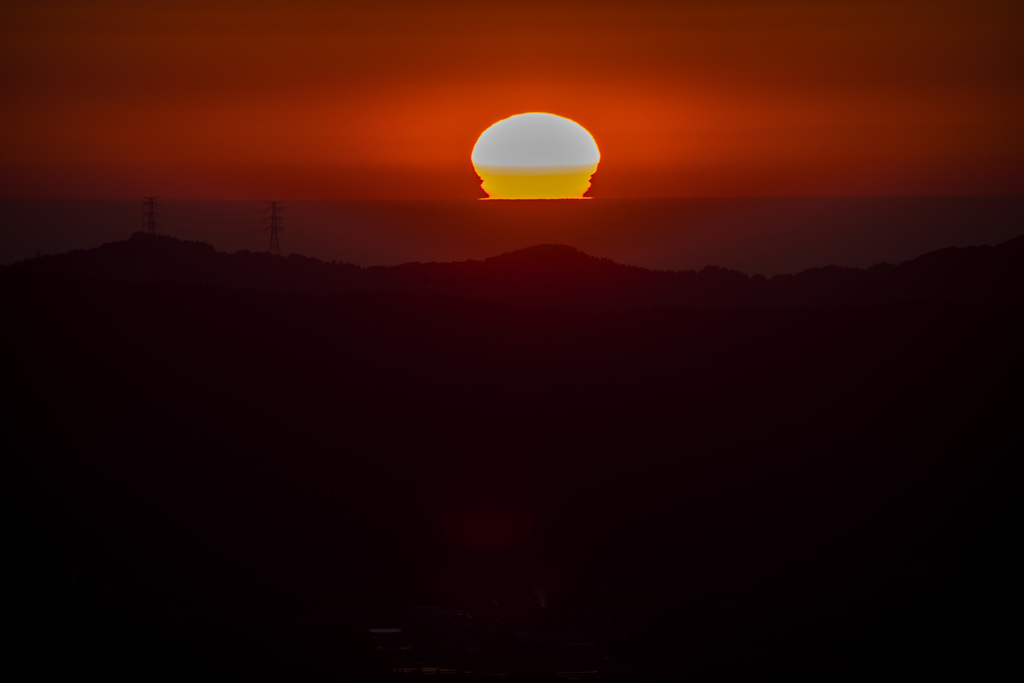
<point>558,182</point>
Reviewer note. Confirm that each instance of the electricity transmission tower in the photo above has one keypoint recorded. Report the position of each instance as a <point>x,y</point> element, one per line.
<point>149,207</point>
<point>275,223</point>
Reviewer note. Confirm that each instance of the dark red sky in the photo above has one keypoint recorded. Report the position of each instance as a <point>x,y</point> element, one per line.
<point>325,99</point>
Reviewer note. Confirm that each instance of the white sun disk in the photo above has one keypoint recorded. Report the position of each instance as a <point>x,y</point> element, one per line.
<point>535,141</point>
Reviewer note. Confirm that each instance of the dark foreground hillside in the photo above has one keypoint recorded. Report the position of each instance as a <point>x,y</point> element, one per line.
<point>559,276</point>
<point>247,483</point>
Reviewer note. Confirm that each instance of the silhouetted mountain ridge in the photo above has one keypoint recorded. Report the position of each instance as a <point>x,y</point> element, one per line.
<point>561,276</point>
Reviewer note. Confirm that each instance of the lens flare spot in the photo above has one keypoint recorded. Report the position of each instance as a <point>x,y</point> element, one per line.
<point>488,529</point>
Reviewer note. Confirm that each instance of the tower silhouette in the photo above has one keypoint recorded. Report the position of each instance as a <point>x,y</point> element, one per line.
<point>275,223</point>
<point>149,207</point>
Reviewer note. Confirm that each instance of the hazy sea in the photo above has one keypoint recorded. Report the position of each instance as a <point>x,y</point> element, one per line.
<point>754,235</point>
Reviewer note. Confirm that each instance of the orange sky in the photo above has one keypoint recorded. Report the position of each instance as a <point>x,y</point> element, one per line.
<point>327,99</point>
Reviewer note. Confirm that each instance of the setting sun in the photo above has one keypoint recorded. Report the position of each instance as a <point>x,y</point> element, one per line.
<point>535,156</point>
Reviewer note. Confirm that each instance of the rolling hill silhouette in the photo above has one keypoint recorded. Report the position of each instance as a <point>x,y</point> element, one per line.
<point>563,277</point>
<point>232,465</point>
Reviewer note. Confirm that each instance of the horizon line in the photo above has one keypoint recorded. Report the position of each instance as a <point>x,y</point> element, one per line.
<point>475,199</point>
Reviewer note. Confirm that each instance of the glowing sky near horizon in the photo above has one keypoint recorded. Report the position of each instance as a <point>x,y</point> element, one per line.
<point>351,99</point>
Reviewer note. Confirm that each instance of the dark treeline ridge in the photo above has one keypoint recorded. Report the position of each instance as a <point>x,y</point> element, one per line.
<point>239,481</point>
<point>560,276</point>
